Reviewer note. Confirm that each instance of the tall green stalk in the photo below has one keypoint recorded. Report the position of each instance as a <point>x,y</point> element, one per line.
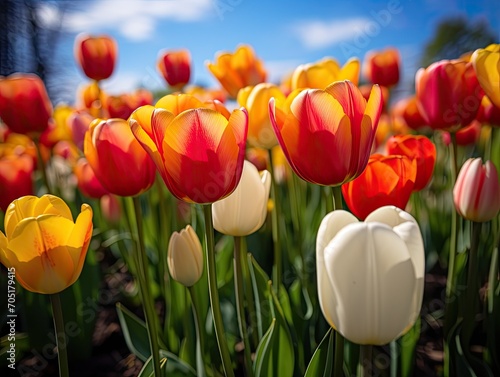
<point>240,308</point>
<point>147,300</point>
<point>62,353</point>
<point>278,258</point>
<point>214,293</point>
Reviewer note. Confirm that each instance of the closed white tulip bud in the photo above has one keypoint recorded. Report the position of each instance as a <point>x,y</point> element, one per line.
<point>185,256</point>
<point>370,274</point>
<point>245,210</point>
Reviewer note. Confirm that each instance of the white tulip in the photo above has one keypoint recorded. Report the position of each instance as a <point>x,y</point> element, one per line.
<point>370,274</point>
<point>245,210</point>
<point>185,256</point>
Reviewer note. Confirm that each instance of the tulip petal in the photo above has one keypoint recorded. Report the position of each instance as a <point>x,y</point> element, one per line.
<point>177,103</point>
<point>79,240</point>
<point>3,251</point>
<point>350,98</point>
<point>331,224</point>
<point>350,71</point>
<point>40,255</point>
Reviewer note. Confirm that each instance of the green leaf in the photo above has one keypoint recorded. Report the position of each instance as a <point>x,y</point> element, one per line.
<point>170,365</point>
<point>135,333</point>
<point>261,295</point>
<point>321,363</point>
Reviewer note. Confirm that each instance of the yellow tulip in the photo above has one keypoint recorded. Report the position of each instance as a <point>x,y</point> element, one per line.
<point>486,63</point>
<point>43,244</point>
<point>185,256</point>
<point>322,73</point>
<point>370,274</point>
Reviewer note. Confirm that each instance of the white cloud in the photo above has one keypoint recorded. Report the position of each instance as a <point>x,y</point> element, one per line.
<point>316,34</point>
<point>134,19</point>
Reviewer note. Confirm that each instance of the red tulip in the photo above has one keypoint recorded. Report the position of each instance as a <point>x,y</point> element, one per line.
<point>327,135</point>
<point>387,180</point>
<point>24,103</point>
<point>489,113</point>
<point>16,178</point>
<point>118,160</point>
<point>419,148</point>
<point>382,67</point>
<point>175,67</point>
<point>408,109</point>
<point>87,182</point>
<point>448,94</point>
<point>96,55</point>
<point>477,192</point>
<point>199,152</point>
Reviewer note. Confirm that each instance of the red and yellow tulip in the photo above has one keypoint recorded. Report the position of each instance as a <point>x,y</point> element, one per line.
<point>119,162</point>
<point>320,74</point>
<point>382,67</point>
<point>198,152</point>
<point>486,62</point>
<point>327,135</point>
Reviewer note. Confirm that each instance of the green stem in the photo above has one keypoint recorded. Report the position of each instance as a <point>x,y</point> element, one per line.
<point>365,360</point>
<point>328,198</point>
<point>278,259</point>
<point>42,167</point>
<point>240,308</point>
<point>249,295</point>
<point>214,293</point>
<point>55,300</point>
<point>200,334</point>
<point>147,300</point>
<point>472,285</point>
<point>337,197</point>
<point>338,362</point>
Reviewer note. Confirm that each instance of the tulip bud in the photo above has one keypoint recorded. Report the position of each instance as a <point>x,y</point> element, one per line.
<point>96,55</point>
<point>477,192</point>
<point>244,211</point>
<point>370,274</point>
<point>185,257</point>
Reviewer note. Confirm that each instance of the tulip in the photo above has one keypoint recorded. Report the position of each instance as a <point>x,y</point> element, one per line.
<point>92,98</point>
<point>489,113</point>
<point>477,192</point>
<point>175,67</point>
<point>238,70</point>
<point>43,244</point>
<point>245,210</point>
<point>204,94</point>
<point>16,178</point>
<point>87,182</point>
<point>256,99</point>
<point>199,153</point>
<point>486,62</point>
<point>119,162</point>
<point>370,274</point>
<point>79,122</point>
<point>322,73</point>
<point>387,180</point>
<point>123,105</point>
<point>185,257</point>
<point>327,135</point>
<point>96,55</point>
<point>408,109</point>
<point>110,208</point>
<point>419,148</point>
<point>382,67</point>
<point>24,103</point>
<point>57,130</point>
<point>448,94</point>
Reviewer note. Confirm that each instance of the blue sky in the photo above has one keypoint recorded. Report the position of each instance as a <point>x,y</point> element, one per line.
<point>283,33</point>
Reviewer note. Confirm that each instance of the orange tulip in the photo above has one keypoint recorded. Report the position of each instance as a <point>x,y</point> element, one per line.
<point>96,55</point>
<point>16,178</point>
<point>327,135</point>
<point>387,180</point>
<point>407,109</point>
<point>175,67</point>
<point>322,73</point>
<point>448,94</point>
<point>123,105</point>
<point>238,70</point>
<point>419,148</point>
<point>382,67</point>
<point>199,153</point>
<point>256,99</point>
<point>118,160</point>
<point>58,129</point>
<point>24,103</point>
